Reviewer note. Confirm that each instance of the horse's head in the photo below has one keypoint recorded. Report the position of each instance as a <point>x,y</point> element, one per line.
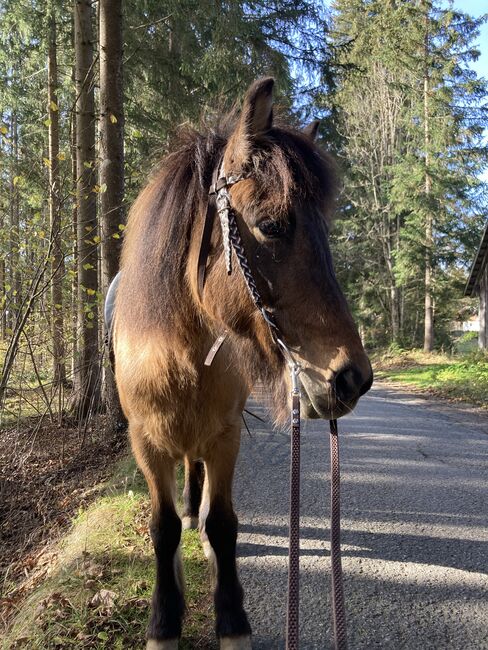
<point>283,209</point>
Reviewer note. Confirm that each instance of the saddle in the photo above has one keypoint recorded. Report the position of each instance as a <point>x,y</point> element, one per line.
<point>108,308</point>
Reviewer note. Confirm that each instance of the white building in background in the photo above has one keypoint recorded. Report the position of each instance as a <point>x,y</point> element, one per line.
<point>470,325</point>
<point>477,285</point>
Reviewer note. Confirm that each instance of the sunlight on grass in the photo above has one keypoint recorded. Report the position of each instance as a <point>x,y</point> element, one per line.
<point>464,377</point>
<point>97,593</point>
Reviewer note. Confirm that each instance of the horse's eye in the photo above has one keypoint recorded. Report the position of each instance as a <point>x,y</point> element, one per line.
<point>272,229</point>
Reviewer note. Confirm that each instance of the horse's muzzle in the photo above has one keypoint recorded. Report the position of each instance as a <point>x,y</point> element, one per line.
<point>334,398</point>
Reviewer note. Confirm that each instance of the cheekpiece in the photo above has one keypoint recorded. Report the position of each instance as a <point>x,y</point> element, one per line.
<point>223,208</point>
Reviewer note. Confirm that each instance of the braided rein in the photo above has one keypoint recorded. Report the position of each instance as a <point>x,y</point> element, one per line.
<point>232,240</point>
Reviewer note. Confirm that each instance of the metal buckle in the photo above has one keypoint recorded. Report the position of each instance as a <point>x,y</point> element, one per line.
<point>295,385</point>
<point>294,366</point>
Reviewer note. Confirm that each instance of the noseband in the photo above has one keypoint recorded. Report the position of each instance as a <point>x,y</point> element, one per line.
<point>219,203</point>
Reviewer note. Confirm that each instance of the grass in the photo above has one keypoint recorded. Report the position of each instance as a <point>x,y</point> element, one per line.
<point>97,593</point>
<point>463,377</point>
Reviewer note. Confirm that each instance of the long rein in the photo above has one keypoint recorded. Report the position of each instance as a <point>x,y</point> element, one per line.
<point>219,202</point>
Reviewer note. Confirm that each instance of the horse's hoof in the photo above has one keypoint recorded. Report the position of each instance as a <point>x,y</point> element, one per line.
<point>209,553</point>
<point>236,643</point>
<point>189,522</point>
<point>166,644</point>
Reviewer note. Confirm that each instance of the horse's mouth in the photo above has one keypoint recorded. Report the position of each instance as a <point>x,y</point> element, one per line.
<point>325,407</point>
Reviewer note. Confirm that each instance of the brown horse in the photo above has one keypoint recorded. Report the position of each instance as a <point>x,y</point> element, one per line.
<point>177,407</point>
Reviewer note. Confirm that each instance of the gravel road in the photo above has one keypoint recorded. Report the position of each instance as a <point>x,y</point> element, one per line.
<point>414,526</point>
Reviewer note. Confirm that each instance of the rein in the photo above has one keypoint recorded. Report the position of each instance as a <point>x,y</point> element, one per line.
<point>219,203</point>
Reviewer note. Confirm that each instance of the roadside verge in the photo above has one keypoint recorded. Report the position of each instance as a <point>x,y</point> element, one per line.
<point>97,587</point>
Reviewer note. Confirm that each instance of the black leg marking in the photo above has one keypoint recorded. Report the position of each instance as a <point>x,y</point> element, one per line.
<point>192,493</point>
<point>221,528</point>
<point>168,603</point>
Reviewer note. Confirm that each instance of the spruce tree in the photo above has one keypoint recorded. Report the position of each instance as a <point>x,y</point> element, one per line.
<point>409,114</point>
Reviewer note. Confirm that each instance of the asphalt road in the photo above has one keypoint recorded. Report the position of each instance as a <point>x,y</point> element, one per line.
<point>414,526</point>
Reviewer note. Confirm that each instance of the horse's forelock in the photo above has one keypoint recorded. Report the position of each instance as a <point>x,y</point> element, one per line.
<point>288,168</point>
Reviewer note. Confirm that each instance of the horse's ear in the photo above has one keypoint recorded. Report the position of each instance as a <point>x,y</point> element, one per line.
<point>256,118</point>
<point>257,109</point>
<point>312,129</point>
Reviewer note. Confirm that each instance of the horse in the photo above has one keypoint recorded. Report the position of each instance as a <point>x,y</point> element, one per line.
<point>165,322</point>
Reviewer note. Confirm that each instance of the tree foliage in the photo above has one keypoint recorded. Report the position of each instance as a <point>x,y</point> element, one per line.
<point>407,116</point>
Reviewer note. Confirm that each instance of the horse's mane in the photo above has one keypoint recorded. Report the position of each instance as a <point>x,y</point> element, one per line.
<point>286,167</point>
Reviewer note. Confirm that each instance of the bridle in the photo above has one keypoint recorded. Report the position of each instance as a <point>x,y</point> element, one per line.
<point>219,203</point>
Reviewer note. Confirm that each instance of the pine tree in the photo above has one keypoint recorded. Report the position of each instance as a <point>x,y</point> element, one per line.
<point>408,116</point>
<point>56,257</point>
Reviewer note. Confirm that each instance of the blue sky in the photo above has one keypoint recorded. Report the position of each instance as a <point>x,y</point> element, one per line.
<point>476,8</point>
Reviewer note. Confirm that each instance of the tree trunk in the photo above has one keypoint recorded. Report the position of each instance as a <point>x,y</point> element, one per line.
<point>14,257</point>
<point>111,163</point>
<point>74,283</point>
<point>395,313</point>
<point>428,308</point>
<point>57,263</point>
<point>389,242</point>
<point>3,293</point>
<point>88,357</point>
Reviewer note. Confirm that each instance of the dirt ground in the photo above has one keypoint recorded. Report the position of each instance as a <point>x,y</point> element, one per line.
<point>47,473</point>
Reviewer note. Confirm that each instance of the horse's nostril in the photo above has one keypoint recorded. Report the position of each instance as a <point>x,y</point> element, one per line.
<point>366,384</point>
<point>350,384</point>
<point>345,384</point>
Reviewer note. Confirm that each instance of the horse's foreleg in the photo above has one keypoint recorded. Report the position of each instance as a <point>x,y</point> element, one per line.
<point>220,526</point>
<point>192,493</point>
<point>168,604</point>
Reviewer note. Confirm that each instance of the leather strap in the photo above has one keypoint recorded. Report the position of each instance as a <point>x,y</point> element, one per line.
<point>205,243</point>
<point>214,349</point>
<point>292,618</point>
<point>218,183</point>
<point>338,607</point>
<point>206,239</point>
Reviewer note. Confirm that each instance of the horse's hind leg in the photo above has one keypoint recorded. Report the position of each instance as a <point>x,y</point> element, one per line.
<point>220,526</point>
<point>192,493</point>
<point>168,604</point>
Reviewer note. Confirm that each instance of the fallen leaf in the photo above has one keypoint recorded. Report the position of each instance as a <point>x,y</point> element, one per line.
<point>104,598</point>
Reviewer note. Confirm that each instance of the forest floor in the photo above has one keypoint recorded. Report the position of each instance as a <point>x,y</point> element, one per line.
<point>460,378</point>
<point>77,563</point>
<point>47,473</point>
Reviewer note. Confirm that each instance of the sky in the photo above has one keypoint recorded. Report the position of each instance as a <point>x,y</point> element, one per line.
<point>476,8</point>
